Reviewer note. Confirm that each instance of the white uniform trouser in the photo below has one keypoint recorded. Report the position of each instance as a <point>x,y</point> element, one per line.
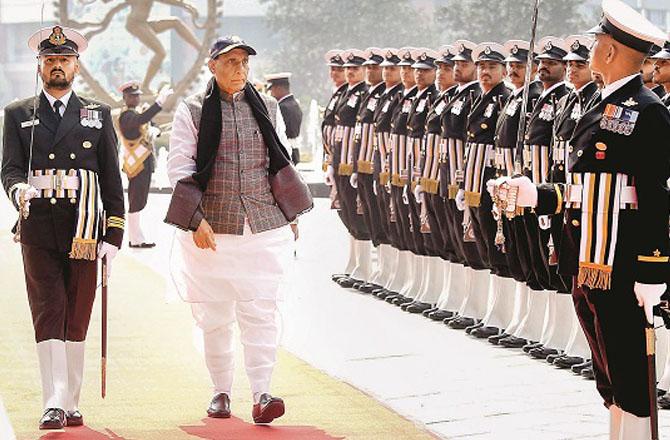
<point>258,333</point>
<point>6,431</point>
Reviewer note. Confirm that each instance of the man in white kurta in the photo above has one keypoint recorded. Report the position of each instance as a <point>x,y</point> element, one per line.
<point>231,265</point>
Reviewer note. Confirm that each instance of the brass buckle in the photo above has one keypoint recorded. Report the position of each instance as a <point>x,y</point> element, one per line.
<point>58,182</point>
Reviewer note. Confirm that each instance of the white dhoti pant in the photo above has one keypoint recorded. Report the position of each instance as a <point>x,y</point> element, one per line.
<point>258,334</point>
<point>240,281</point>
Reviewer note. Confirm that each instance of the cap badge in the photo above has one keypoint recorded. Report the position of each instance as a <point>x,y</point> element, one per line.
<point>548,46</point>
<point>350,57</point>
<point>235,39</point>
<point>487,51</point>
<point>389,54</point>
<point>515,49</point>
<point>461,48</point>
<point>57,38</point>
<point>424,56</point>
<point>575,45</point>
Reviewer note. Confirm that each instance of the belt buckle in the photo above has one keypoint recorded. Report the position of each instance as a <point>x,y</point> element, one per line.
<point>58,182</point>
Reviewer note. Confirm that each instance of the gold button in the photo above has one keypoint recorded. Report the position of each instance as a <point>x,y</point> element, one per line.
<point>601,146</point>
<point>73,200</point>
<point>87,144</point>
<point>484,126</point>
<point>52,156</point>
<point>575,223</point>
<point>570,149</point>
<point>579,153</point>
<point>53,201</point>
<point>73,156</point>
<point>560,167</point>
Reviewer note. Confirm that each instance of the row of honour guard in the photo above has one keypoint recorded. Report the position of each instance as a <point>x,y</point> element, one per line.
<point>547,232</point>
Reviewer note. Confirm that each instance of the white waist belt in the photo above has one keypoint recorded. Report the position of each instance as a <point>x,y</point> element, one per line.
<point>54,182</point>
<point>573,194</point>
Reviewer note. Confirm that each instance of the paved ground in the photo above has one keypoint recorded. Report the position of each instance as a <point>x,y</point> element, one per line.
<point>459,388</point>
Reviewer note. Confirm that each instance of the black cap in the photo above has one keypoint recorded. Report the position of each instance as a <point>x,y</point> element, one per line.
<point>464,50</point>
<point>517,51</point>
<point>228,43</point>
<point>57,40</point>
<point>489,52</point>
<point>663,54</point>
<point>130,88</point>
<point>391,58</point>
<point>406,56</point>
<point>552,48</point>
<point>579,48</point>
<point>628,27</point>
<point>374,56</point>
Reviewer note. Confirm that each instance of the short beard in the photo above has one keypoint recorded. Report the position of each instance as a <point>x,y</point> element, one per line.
<point>58,83</point>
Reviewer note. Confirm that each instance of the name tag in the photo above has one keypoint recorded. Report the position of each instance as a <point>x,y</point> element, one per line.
<point>457,108</point>
<point>440,107</point>
<point>512,108</point>
<point>489,110</point>
<point>30,123</point>
<point>576,112</point>
<point>547,112</point>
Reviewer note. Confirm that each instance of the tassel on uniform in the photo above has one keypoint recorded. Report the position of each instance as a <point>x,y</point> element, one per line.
<point>83,249</point>
<point>473,199</point>
<point>594,277</point>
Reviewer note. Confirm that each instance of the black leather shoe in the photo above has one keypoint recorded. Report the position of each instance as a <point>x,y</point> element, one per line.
<point>485,332</point>
<point>400,300</point>
<point>461,323</point>
<point>578,368</point>
<point>567,361</point>
<point>542,352</point>
<point>588,374</point>
<point>418,307</point>
<point>476,325</point>
<point>389,299</point>
<point>404,306</point>
<point>337,276</point>
<point>530,346</point>
<point>440,315</point>
<point>219,408</point>
<point>142,245</point>
<point>74,418</point>
<point>513,342</point>
<point>267,409</point>
<point>384,293</point>
<point>552,357</point>
<point>664,401</point>
<point>53,418</point>
<point>429,311</point>
<point>369,287</point>
<point>347,282</point>
<point>446,321</point>
<point>495,340</point>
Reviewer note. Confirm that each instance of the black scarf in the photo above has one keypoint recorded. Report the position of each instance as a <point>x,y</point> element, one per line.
<point>209,133</point>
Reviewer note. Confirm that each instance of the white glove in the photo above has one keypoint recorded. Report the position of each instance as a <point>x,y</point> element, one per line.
<point>418,190</point>
<point>460,200</point>
<point>25,191</point>
<point>527,195</point>
<point>405,198</point>
<point>330,176</point>
<point>648,296</point>
<point>544,222</point>
<point>107,250</point>
<point>163,95</point>
<point>154,132</point>
<point>353,180</point>
<point>491,183</point>
<point>374,187</point>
